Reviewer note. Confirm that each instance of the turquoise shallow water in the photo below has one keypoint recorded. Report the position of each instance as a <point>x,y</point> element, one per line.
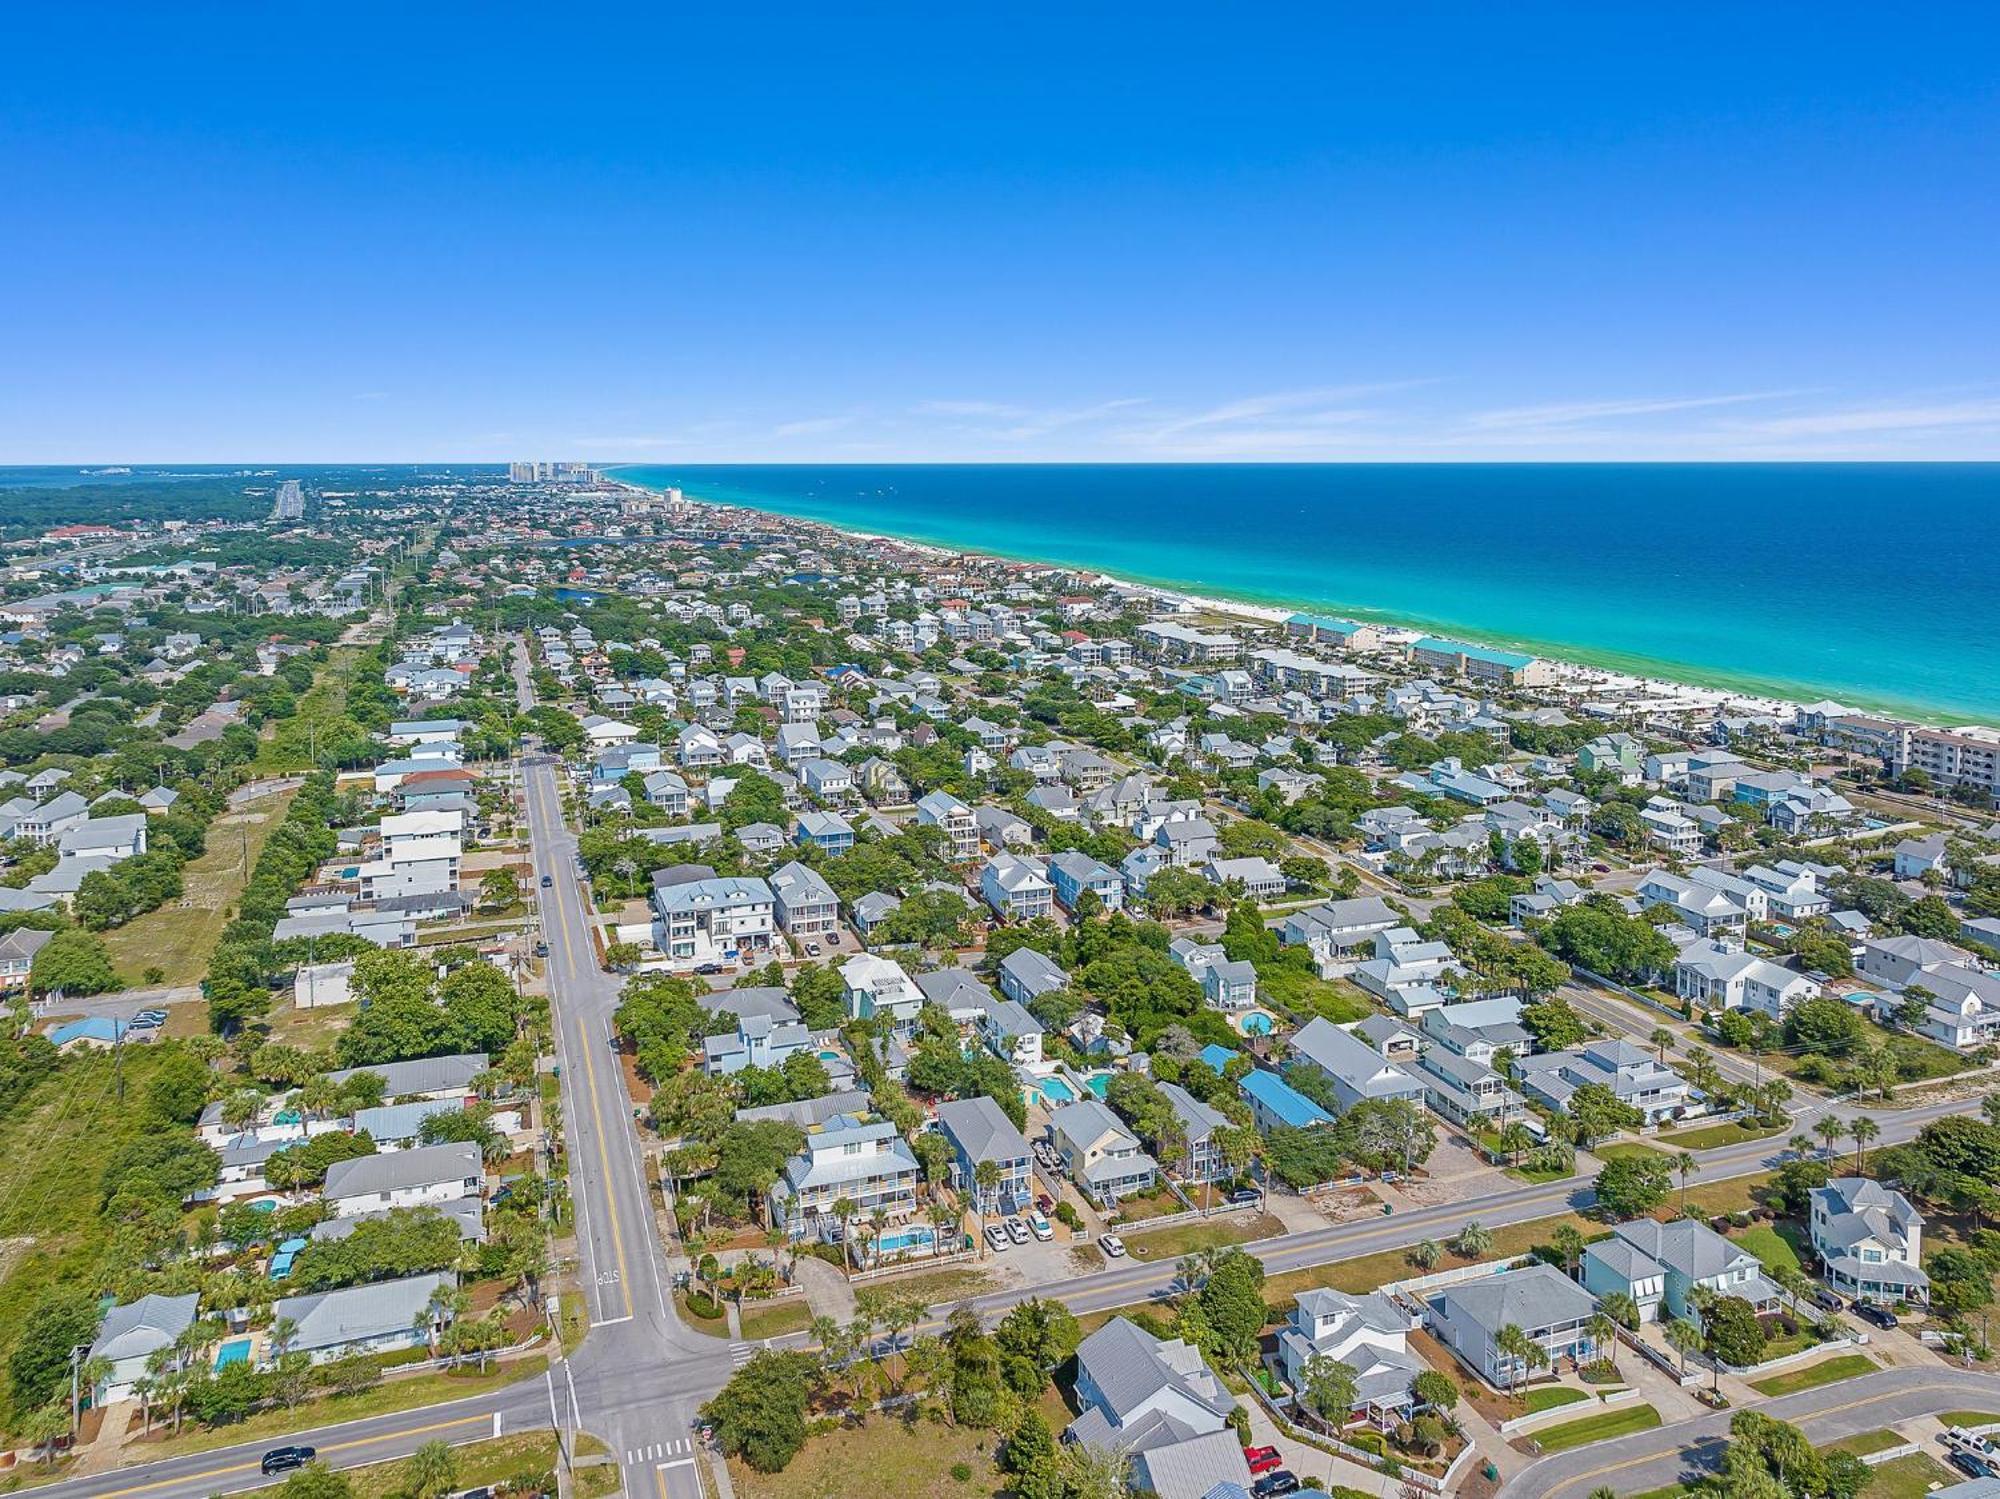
<point>1876,584</point>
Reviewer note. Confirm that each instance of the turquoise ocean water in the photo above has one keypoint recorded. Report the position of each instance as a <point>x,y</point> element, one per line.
<point>1874,584</point>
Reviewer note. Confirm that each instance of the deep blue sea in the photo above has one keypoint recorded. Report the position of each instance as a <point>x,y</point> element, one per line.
<point>1874,584</point>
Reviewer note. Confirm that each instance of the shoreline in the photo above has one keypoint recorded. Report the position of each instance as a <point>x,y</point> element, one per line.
<point>1611,671</point>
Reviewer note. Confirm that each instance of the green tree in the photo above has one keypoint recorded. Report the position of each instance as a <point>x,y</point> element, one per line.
<point>74,964</point>
<point>1633,1185</point>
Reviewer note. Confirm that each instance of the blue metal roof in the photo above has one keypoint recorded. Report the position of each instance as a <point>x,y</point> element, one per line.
<point>1277,1097</point>
<point>1218,1057</point>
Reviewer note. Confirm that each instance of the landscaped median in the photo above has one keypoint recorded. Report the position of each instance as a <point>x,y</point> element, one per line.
<point>1601,1427</point>
<point>1847,1366</point>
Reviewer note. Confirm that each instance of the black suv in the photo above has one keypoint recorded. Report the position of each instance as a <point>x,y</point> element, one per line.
<point>284,1459</point>
<point>1881,1316</point>
<point>1284,1481</point>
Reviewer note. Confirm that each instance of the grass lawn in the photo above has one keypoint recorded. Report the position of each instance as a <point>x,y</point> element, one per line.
<point>1863,1443</point>
<point>1909,1477</point>
<point>1736,1195</point>
<point>1206,1233</point>
<point>1552,1397</point>
<point>911,1460</point>
<point>1158,1203</point>
<point>714,1327</point>
<point>178,939</point>
<point>388,1397</point>
<point>775,1318</point>
<point>1369,1271</point>
<point>1708,1136</point>
<point>1771,1245</point>
<point>1538,1174</point>
<point>478,1464</point>
<point>935,1286</point>
<point>1970,1418</point>
<point>1303,994</point>
<point>1847,1366</point>
<point>1623,1421</point>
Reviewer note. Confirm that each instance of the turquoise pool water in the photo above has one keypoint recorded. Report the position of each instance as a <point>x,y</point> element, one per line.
<point>1055,1090</point>
<point>235,1351</point>
<point>1098,1083</point>
<point>1257,1023</point>
<point>904,1238</point>
<point>829,1056</point>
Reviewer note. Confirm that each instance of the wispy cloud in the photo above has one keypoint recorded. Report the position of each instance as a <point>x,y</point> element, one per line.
<point>1568,413</point>
<point>1870,419</point>
<point>816,426</point>
<point>1318,406</point>
<point>970,408</point>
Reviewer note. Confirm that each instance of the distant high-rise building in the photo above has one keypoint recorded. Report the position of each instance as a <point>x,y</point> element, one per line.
<point>291,502</point>
<point>544,472</point>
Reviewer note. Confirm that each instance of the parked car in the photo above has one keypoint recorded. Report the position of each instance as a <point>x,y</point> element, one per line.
<point>812,949</point>
<point>1959,1438</point>
<point>1039,1227</point>
<point>284,1459</point>
<point>1827,1300</point>
<point>541,949</point>
<point>1881,1316</point>
<point>546,882</point>
<point>1112,1245</point>
<point>1244,1194</point>
<point>1045,1202</point>
<point>1284,1481</point>
<point>1017,1231</point>
<point>1971,1466</point>
<point>997,1240</point>
<point>1262,1459</point>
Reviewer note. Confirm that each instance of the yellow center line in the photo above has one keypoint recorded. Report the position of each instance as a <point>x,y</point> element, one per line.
<point>597,1120</point>
<point>1831,1410</point>
<point>387,1436</point>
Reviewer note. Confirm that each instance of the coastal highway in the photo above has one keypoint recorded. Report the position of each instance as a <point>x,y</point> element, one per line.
<point>1650,1460</point>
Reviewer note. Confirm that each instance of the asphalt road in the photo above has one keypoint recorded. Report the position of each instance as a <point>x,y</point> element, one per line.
<point>1653,1459</point>
<point>639,1377</point>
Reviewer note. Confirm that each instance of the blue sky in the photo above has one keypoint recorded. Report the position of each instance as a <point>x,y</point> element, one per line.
<point>1061,232</point>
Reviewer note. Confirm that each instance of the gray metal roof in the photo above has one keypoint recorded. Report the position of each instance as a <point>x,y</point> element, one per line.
<point>982,1130</point>
<point>425,1166</point>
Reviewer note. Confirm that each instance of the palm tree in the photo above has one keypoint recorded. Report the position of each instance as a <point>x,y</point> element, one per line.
<point>1424,1254</point>
<point>1683,1335</point>
<point>1604,1336</point>
<point>1830,1129</point>
<point>844,1209</point>
<point>1473,1240</point>
<point>1800,1146</point>
<point>878,1219</point>
<point>943,1217</point>
<point>1568,1242</point>
<point>1663,1039</point>
<point>1863,1129</point>
<point>1685,1166</point>
<point>1620,1308</point>
<point>284,1333</point>
<point>431,1472</point>
<point>1516,1345</point>
<point>985,1180</point>
<point>1514,1139</point>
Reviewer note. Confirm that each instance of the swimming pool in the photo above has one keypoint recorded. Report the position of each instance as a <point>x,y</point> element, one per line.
<point>1054,1090</point>
<point>235,1351</point>
<point>904,1238</point>
<point>1098,1083</point>
<point>829,1056</point>
<point>1256,1023</point>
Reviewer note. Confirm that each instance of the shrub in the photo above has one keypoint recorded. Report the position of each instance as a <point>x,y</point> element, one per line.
<point>962,1472</point>
<point>704,1305</point>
